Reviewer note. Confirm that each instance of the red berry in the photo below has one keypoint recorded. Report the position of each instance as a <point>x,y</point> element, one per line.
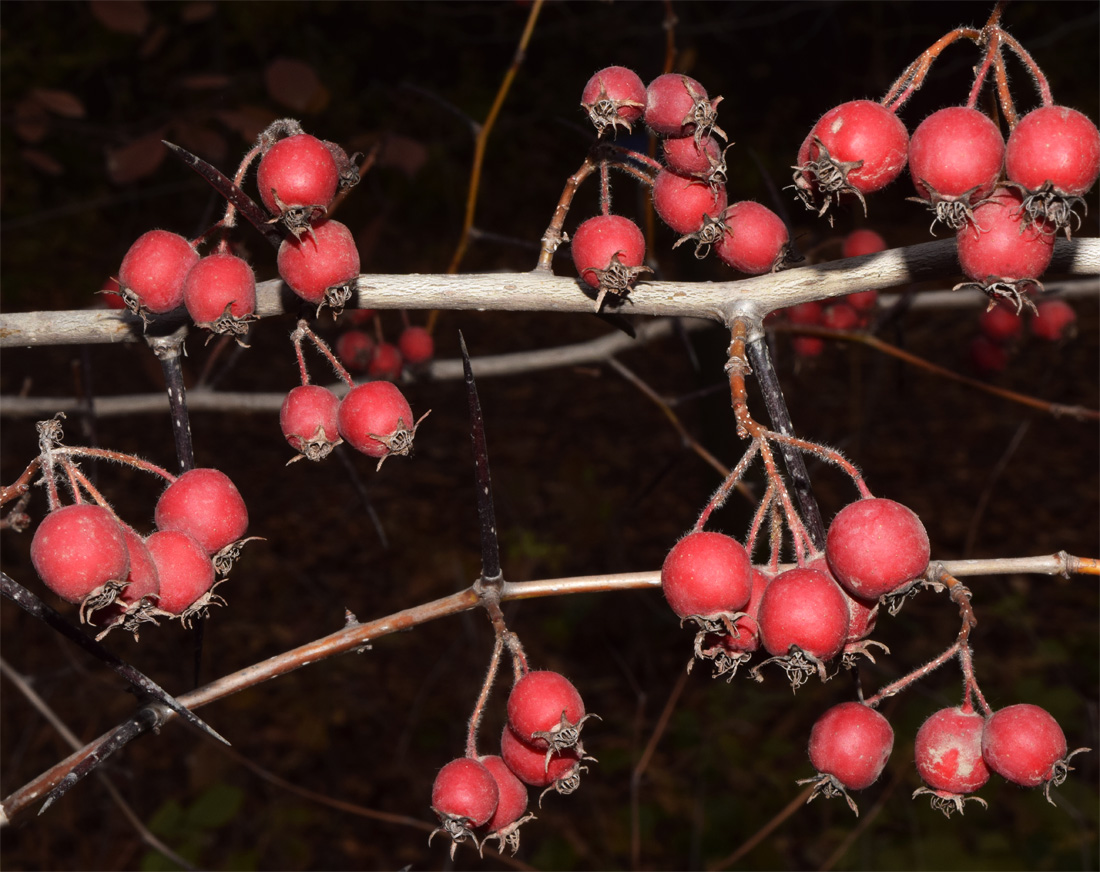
<point>756,239</point>
<point>852,743</point>
<point>322,264</point>
<point>747,626</point>
<point>143,579</point>
<point>599,240</point>
<point>219,285</point>
<point>355,348</point>
<point>986,356</point>
<point>298,171</point>
<point>375,418</point>
<point>1022,743</point>
<point>1054,144</point>
<point>541,703</point>
<point>205,504</point>
<point>840,316</point>
<point>807,346</point>
<point>948,751</point>
<point>416,345</point>
<point>77,549</point>
<point>359,317</point>
<point>683,202</point>
<point>530,766</point>
<point>806,608</point>
<point>1000,324</point>
<point>308,420</point>
<point>864,241</point>
<point>687,156</point>
<point>997,246</point>
<point>184,567</point>
<point>954,152</point>
<point>512,802</point>
<point>466,792</point>
<point>875,546</point>
<point>677,105</point>
<point>614,96</point>
<point>706,575</point>
<point>811,312</point>
<point>386,362</point>
<point>154,269</point>
<point>857,147</point>
<point>1054,320</point>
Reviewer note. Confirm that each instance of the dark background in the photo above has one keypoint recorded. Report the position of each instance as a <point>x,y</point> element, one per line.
<point>589,476</point>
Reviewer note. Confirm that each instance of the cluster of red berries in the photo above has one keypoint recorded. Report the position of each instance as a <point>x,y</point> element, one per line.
<point>1002,328</point>
<point>803,617</point>
<point>86,555</point>
<point>363,354</point>
<point>688,189</point>
<point>485,797</point>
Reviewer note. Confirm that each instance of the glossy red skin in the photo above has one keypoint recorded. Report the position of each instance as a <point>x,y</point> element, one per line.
<point>618,84</point>
<point>78,548</point>
<point>536,704</point>
<point>355,348</point>
<point>1054,143</point>
<point>302,171</point>
<point>205,503</point>
<point>668,102</point>
<point>948,751</point>
<point>863,241</point>
<point>852,743</point>
<point>376,408</point>
<point>1004,248</point>
<point>386,362</point>
<point>874,546</point>
<point>706,574</point>
<point>324,258</point>
<point>529,762</point>
<point>687,158</point>
<point>755,238</point>
<point>806,608</point>
<point>218,281</point>
<point>512,792</point>
<point>155,268</point>
<point>1022,743</point>
<point>184,567</point>
<point>682,201</point>
<point>1056,319</point>
<point>861,130</point>
<point>416,345</point>
<point>464,788</point>
<point>1001,324</point>
<point>306,408</point>
<point>956,149</point>
<point>599,239</point>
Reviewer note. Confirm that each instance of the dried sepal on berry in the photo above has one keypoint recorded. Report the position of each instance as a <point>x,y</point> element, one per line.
<point>709,234</point>
<point>947,802</point>
<point>953,211</point>
<point>609,113</point>
<point>617,279</point>
<point>826,178</point>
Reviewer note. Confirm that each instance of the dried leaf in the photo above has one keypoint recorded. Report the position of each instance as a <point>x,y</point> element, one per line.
<point>60,102</point>
<point>31,121</point>
<point>198,11</point>
<point>295,84</point>
<point>121,16</point>
<point>42,161</point>
<point>137,159</point>
<point>248,121</point>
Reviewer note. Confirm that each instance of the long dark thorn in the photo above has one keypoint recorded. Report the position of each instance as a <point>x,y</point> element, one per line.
<point>780,418</point>
<point>490,547</point>
<point>256,216</point>
<point>145,686</point>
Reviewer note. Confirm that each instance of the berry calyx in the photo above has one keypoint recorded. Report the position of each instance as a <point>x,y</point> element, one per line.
<point>955,158</point>
<point>206,504</point>
<point>376,419</point>
<point>136,602</point>
<point>546,711</point>
<point>728,650</point>
<point>80,553</point>
<point>322,266</point>
<point>560,771</point>
<point>948,753</point>
<point>849,746</point>
<point>687,156</point>
<point>755,241</point>
<point>464,796</point>
<point>608,251</point>
<point>875,547</point>
<point>220,294</point>
<point>677,105</point>
<point>186,574</point>
<point>153,271</point>
<point>614,97</point>
<point>692,208</point>
<point>308,421</point>
<point>297,178</point>
<point>855,148</point>
<point>1024,744</point>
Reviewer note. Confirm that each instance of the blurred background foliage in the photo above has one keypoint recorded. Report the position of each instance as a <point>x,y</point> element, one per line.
<point>589,476</point>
